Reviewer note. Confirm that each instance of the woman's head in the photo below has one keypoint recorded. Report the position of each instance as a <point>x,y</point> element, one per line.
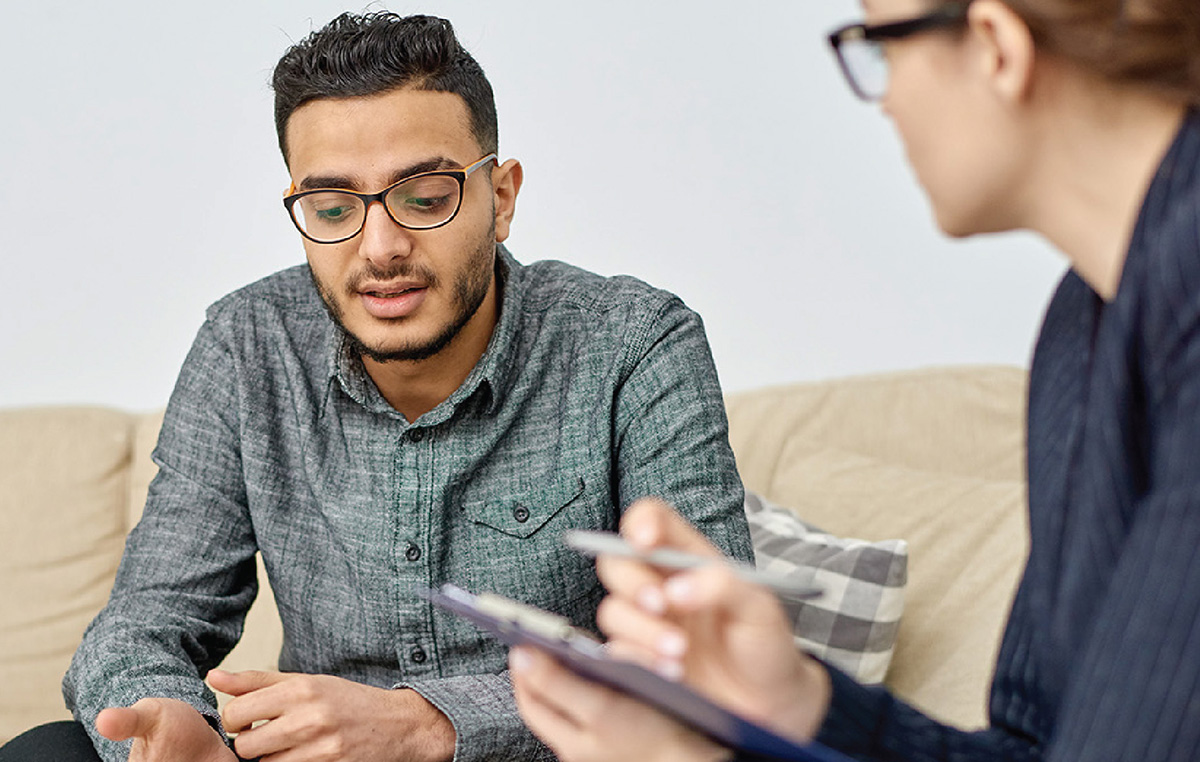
<point>1147,43</point>
<point>975,86</point>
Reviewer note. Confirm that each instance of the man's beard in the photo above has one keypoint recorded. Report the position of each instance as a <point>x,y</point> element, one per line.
<point>470,289</point>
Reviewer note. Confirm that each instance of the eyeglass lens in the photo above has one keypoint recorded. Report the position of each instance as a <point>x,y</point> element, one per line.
<point>425,201</point>
<point>866,65</point>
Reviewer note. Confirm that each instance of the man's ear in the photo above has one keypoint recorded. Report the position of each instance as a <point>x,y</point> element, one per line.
<point>1004,49</point>
<point>506,184</point>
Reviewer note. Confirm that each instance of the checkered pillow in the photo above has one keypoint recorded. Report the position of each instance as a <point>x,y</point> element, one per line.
<point>854,624</point>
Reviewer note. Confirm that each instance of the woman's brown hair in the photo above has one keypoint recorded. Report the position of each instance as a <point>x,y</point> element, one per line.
<point>1149,43</point>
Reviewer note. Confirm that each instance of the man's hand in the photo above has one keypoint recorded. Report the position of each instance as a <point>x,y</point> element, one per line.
<point>319,718</point>
<point>164,730</point>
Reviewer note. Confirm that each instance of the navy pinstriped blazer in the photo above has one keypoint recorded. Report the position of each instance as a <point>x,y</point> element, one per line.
<point>1101,657</point>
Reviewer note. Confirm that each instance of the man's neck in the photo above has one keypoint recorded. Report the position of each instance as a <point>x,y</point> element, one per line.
<point>414,387</point>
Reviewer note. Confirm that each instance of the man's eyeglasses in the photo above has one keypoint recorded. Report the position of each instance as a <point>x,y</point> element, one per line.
<point>420,202</point>
<point>859,47</point>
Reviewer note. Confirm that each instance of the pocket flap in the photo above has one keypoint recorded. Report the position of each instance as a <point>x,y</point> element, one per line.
<point>522,515</point>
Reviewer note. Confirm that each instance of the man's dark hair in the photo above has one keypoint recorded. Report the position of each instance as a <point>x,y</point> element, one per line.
<point>356,55</point>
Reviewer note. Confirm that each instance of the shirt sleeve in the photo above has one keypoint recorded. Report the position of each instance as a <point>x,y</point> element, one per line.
<point>671,432</point>
<point>187,576</point>
<point>485,718</point>
<point>868,723</point>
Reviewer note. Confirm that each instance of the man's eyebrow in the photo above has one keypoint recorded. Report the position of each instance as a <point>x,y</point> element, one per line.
<point>428,165</point>
<point>312,182</point>
<point>342,182</point>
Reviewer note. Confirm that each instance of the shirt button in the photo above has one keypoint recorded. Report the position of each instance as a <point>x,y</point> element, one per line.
<point>412,553</point>
<point>521,514</point>
<point>417,655</point>
<point>416,435</point>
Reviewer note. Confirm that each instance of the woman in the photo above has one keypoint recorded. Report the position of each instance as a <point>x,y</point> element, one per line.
<point>1072,118</point>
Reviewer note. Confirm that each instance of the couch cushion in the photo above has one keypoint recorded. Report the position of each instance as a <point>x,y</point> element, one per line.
<point>932,456</point>
<point>967,541</point>
<point>855,623</point>
<point>62,500</point>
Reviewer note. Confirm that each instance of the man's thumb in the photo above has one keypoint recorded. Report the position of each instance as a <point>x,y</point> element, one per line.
<point>121,723</point>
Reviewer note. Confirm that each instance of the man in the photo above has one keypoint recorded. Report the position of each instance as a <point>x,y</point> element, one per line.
<point>411,407</point>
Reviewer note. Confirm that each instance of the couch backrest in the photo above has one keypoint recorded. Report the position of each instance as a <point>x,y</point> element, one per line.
<point>935,457</point>
<point>64,482</point>
<point>931,456</point>
<point>72,483</point>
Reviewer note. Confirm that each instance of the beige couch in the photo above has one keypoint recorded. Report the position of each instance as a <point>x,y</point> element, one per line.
<point>931,456</point>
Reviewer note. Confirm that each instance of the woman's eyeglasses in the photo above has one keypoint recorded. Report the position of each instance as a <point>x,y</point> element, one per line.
<point>859,47</point>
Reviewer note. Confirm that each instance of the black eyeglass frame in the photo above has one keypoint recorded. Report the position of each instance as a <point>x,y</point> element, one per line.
<point>460,175</point>
<point>940,18</point>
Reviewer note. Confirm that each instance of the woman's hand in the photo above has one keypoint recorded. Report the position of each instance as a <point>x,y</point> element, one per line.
<point>726,638</point>
<point>582,721</point>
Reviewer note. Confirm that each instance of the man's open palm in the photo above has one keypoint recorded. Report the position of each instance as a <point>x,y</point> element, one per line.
<point>164,730</point>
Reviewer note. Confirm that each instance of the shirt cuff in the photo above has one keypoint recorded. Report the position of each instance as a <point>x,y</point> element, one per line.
<point>486,723</point>
<point>189,690</point>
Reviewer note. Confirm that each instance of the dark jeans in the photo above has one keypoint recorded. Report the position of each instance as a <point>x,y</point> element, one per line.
<point>64,741</point>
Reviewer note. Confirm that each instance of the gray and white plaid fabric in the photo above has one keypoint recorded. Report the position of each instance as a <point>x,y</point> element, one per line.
<point>854,624</point>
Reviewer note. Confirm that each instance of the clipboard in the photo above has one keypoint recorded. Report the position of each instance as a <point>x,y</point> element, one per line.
<point>514,623</point>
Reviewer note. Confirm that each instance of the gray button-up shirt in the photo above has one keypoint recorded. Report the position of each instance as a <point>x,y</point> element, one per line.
<point>592,392</point>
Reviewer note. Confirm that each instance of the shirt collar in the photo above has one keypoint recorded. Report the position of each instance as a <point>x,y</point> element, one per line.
<point>491,374</point>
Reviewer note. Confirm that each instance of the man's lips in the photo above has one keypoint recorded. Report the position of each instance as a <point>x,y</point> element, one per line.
<point>386,293</point>
<point>389,288</point>
<point>389,301</point>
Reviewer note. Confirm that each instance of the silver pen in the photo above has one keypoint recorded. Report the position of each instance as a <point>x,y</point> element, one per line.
<point>593,543</point>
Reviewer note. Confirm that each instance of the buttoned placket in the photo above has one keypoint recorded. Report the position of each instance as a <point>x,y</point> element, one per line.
<point>414,482</point>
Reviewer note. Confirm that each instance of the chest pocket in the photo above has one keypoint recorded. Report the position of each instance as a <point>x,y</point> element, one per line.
<point>518,549</point>
<point>522,516</point>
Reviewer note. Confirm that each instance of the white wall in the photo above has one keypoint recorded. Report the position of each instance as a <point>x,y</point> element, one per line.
<point>709,148</point>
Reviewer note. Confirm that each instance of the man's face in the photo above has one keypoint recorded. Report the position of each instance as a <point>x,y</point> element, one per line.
<point>400,294</point>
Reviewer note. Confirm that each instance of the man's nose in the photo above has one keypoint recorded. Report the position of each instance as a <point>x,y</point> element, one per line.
<point>382,239</point>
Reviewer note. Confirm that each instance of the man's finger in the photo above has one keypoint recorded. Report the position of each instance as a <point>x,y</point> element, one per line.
<point>252,701</point>
<point>241,683</point>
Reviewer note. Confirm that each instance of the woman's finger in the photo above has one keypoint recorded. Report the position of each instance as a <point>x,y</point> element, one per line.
<point>638,636</point>
<point>579,702</point>
<point>542,712</point>
<point>634,580</point>
<point>650,523</point>
<point>717,589</point>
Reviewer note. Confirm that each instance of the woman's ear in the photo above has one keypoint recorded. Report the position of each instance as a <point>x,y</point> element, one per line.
<point>1003,49</point>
